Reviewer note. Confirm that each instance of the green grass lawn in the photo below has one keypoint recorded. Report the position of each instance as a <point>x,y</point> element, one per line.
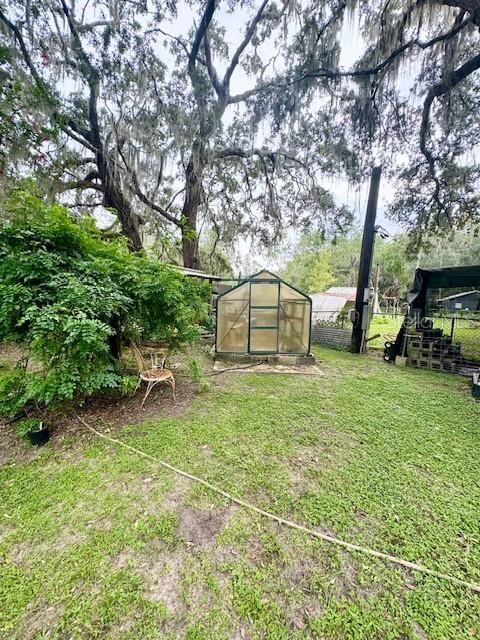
<point>388,328</point>
<point>96,542</point>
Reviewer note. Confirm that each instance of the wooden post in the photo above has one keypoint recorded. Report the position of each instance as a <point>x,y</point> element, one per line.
<point>361,301</point>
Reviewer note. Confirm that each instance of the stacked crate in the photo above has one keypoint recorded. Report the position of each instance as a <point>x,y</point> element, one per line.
<point>430,349</point>
<point>476,384</point>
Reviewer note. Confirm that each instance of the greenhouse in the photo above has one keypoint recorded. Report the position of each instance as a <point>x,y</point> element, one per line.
<point>263,315</point>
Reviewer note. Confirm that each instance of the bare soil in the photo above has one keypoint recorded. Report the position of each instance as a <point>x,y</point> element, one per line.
<point>118,411</point>
<point>199,528</point>
<point>114,409</point>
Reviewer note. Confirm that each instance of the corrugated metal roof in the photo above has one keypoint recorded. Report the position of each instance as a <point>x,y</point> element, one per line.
<point>347,292</point>
<point>195,273</point>
<point>326,306</point>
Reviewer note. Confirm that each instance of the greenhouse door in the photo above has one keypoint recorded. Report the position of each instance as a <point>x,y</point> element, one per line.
<point>264,305</point>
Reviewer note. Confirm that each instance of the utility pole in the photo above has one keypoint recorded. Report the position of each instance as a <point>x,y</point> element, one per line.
<point>360,324</point>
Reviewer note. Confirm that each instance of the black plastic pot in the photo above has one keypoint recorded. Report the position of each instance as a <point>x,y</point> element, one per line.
<point>40,435</point>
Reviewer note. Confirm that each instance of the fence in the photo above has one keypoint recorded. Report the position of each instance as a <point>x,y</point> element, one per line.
<point>331,328</point>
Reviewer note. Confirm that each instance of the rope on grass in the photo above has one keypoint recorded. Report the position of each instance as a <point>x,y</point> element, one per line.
<point>288,523</point>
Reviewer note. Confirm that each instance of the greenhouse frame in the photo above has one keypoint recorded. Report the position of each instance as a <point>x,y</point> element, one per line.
<point>263,315</point>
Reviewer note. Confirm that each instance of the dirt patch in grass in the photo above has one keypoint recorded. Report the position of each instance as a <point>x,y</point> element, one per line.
<point>24,552</point>
<point>222,366</point>
<point>118,411</point>
<point>100,413</point>
<point>174,498</point>
<point>163,581</point>
<point>199,528</point>
<point>14,448</point>
<point>114,411</point>
<point>11,353</point>
<point>41,621</point>
<point>162,573</point>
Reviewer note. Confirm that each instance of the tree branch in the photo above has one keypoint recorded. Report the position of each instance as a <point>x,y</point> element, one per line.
<point>89,73</point>
<point>66,124</point>
<point>436,91</point>
<point>93,25</point>
<point>246,40</point>
<point>61,187</point>
<point>237,152</point>
<point>202,29</point>
<point>336,74</point>
<point>83,161</point>
<point>26,55</point>
<point>136,190</point>
<point>212,74</point>
<point>174,197</point>
<point>177,39</point>
<point>376,69</point>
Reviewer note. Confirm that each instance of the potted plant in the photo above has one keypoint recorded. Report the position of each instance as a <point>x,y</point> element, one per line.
<point>35,430</point>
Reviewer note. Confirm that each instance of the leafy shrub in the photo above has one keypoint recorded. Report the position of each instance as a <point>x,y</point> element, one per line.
<point>72,298</point>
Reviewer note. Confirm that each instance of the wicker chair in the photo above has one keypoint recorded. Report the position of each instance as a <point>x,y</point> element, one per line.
<point>153,375</point>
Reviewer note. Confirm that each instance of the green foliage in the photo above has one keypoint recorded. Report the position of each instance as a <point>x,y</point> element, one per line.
<point>195,370</point>
<point>29,424</point>
<point>204,386</point>
<point>72,298</point>
<point>128,384</point>
<point>316,265</point>
<point>310,268</point>
<point>13,393</point>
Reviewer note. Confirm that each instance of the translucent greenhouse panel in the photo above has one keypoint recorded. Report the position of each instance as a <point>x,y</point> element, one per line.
<point>263,317</point>
<point>294,327</point>
<point>264,293</point>
<point>237,293</point>
<point>263,340</point>
<point>288,293</point>
<point>232,321</point>
<point>264,275</point>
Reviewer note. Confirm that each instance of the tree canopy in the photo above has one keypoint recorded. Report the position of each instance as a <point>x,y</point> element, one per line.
<point>411,100</point>
<point>184,125</point>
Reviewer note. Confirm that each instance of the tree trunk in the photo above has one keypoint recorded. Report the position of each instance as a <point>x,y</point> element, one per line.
<point>114,198</point>
<point>129,220</point>
<point>193,197</point>
<point>190,250</point>
<point>114,340</point>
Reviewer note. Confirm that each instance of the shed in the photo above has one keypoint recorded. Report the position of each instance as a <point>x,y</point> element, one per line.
<point>328,306</point>
<point>263,315</point>
<point>467,301</point>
